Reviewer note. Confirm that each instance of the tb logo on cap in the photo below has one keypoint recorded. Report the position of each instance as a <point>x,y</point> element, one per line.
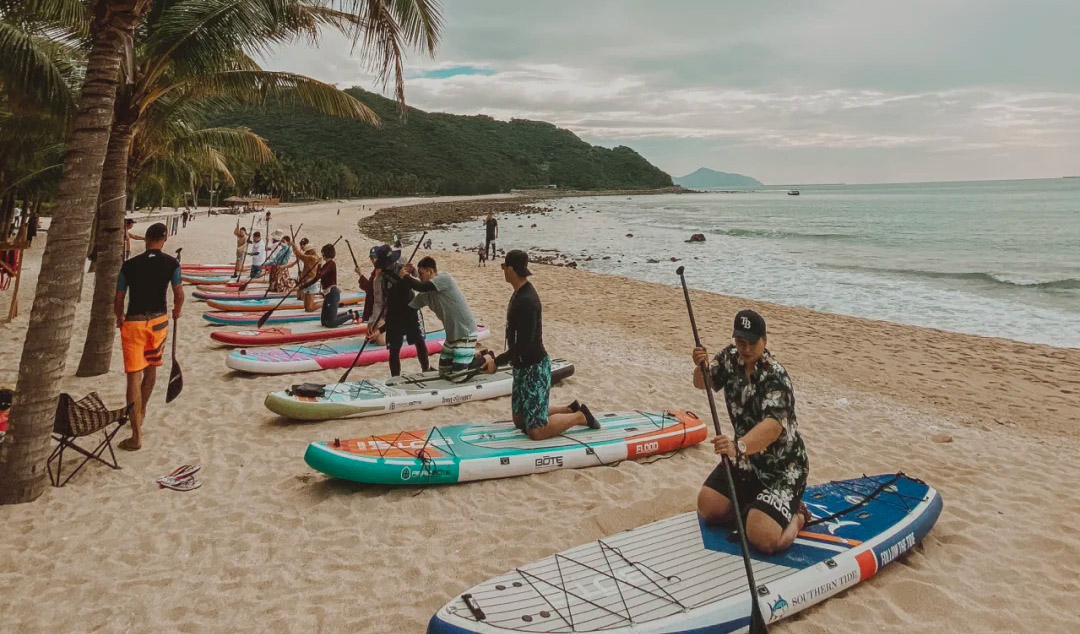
<point>745,322</point>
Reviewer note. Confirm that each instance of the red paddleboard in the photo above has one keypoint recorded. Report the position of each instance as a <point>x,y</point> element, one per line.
<point>245,305</point>
<point>292,333</point>
<point>203,268</point>
<point>216,287</point>
<point>232,294</point>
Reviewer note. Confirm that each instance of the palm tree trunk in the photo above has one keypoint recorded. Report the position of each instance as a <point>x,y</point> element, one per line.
<point>23,452</point>
<point>100,334</point>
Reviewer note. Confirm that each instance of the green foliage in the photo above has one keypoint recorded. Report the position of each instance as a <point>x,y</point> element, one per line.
<point>428,153</point>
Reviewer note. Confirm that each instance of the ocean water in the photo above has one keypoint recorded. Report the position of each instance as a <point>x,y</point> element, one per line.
<point>995,258</point>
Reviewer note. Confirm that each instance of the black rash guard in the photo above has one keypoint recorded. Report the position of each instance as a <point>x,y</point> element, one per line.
<point>524,329</point>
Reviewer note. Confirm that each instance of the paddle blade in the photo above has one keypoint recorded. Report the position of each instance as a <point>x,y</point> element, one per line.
<point>757,621</point>
<point>176,382</point>
<point>262,320</point>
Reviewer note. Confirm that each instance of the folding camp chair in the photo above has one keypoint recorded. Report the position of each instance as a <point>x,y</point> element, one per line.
<point>76,419</point>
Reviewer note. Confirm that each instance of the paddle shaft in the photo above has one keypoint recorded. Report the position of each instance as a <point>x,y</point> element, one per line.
<point>243,257</point>
<point>292,246</point>
<point>356,359</point>
<point>757,621</point>
<point>352,255</point>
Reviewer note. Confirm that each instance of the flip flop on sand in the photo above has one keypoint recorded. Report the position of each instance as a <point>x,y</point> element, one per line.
<point>184,484</point>
<point>181,472</point>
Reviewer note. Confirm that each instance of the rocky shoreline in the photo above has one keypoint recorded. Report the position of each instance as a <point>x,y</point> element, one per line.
<point>407,220</point>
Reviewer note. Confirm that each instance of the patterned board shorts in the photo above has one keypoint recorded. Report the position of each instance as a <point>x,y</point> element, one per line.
<point>456,358</point>
<point>529,400</point>
<point>143,342</point>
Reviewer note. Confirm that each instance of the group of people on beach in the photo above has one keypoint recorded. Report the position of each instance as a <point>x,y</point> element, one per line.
<point>769,460</point>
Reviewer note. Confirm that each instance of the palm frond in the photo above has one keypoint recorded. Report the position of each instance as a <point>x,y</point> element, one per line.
<point>386,27</point>
<point>258,87</point>
<point>67,14</point>
<point>30,71</point>
<point>237,143</point>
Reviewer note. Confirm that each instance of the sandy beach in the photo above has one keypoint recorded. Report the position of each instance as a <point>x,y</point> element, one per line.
<point>269,545</point>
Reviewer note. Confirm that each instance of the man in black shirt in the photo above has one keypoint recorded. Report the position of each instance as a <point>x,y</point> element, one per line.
<point>144,327</point>
<point>532,366</point>
<point>491,227</point>
<point>400,321</point>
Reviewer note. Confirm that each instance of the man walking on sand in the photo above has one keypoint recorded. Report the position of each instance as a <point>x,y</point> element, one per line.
<point>532,365</point>
<point>144,326</point>
<point>769,462</point>
<point>440,293</point>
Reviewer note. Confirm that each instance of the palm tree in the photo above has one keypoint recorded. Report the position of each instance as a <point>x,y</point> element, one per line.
<point>22,458</point>
<point>384,27</point>
<point>192,51</point>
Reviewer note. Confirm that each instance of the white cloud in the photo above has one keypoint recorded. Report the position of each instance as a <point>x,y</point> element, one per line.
<point>837,90</point>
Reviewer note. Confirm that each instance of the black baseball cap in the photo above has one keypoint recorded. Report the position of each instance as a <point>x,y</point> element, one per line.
<point>749,326</point>
<point>519,261</point>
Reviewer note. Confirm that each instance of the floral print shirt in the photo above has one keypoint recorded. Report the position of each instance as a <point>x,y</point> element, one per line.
<point>766,393</point>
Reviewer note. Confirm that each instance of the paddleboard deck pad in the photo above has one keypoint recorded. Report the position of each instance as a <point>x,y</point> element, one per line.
<point>448,454</point>
<point>679,576</point>
<point>372,397</point>
<point>290,333</point>
<point>326,356</point>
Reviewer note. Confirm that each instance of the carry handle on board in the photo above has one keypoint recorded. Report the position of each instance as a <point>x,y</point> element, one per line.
<point>757,621</point>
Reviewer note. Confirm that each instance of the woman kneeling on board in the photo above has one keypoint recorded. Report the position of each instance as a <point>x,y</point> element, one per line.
<point>769,459</point>
<point>532,366</point>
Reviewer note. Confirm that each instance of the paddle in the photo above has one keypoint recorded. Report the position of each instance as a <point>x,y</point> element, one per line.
<point>352,255</point>
<point>243,287</point>
<point>292,245</point>
<point>757,621</point>
<point>355,360</point>
<point>244,256</point>
<point>299,283</point>
<point>176,376</point>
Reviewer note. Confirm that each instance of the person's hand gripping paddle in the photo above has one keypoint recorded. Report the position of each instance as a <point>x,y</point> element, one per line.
<point>757,620</point>
<point>345,376</point>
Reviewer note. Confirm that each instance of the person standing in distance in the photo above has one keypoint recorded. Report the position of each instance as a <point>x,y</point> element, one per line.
<point>144,326</point>
<point>491,233</point>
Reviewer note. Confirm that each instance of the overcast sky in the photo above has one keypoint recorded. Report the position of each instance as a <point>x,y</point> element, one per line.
<point>851,91</point>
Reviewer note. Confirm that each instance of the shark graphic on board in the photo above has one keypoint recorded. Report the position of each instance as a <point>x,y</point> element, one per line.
<point>834,524</point>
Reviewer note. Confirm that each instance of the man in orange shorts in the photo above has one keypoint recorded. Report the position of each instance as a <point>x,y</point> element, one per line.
<point>144,327</point>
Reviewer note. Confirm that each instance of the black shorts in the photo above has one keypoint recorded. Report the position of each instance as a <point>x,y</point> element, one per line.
<point>779,504</point>
<point>410,331</point>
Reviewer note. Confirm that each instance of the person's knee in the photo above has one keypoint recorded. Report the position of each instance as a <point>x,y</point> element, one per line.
<point>537,433</point>
<point>713,507</point>
<point>764,533</point>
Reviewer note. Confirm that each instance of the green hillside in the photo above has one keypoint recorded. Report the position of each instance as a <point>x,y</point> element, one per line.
<point>429,152</point>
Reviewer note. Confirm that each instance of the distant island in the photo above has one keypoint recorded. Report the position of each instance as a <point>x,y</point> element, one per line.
<point>427,152</point>
<point>706,178</point>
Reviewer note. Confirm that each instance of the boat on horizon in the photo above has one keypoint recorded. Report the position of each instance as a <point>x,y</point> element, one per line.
<point>793,192</point>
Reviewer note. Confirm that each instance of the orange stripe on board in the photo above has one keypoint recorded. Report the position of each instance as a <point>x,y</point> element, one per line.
<point>830,538</point>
